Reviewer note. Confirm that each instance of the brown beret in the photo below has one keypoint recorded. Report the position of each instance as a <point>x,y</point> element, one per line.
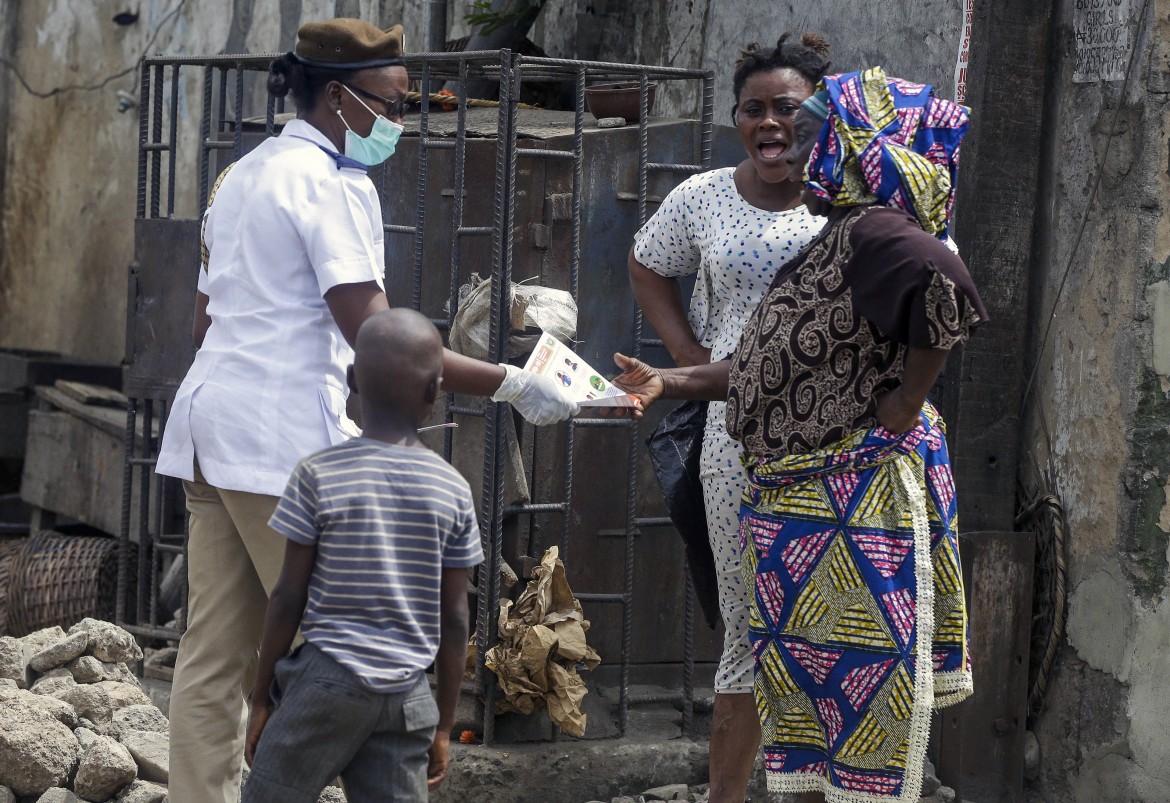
<point>348,44</point>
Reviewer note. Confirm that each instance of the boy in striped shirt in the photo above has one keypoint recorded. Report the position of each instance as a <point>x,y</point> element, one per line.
<point>381,536</point>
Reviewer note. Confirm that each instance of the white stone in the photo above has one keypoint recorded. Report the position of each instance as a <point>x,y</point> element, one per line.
<point>12,661</point>
<point>36,751</point>
<point>37,641</point>
<point>59,795</point>
<point>142,792</point>
<point>59,653</point>
<point>57,709</point>
<point>89,700</point>
<point>6,795</point>
<point>108,642</point>
<point>152,752</point>
<point>142,718</point>
<point>54,681</point>
<point>105,768</point>
<point>87,669</point>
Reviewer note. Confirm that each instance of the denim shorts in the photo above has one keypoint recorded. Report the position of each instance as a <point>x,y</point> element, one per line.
<point>327,724</point>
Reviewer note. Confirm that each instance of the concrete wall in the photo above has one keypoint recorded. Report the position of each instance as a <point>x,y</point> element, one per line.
<point>1100,413</point>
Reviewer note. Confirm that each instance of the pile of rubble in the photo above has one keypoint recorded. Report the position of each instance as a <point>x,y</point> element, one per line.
<point>75,723</point>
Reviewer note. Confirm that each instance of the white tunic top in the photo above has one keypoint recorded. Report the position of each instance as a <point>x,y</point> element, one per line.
<point>267,386</point>
<point>705,226</point>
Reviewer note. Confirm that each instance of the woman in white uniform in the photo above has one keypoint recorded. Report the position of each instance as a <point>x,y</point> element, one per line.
<point>735,228</point>
<point>294,265</point>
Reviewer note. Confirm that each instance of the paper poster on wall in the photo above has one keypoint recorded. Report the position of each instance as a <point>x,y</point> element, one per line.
<point>1101,35</point>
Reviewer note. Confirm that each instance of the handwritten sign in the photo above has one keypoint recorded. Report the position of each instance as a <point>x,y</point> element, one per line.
<point>1101,32</point>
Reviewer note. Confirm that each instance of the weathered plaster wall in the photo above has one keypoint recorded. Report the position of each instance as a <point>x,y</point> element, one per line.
<point>914,38</point>
<point>1101,418</point>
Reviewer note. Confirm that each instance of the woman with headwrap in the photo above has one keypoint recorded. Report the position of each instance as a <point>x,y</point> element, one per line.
<point>847,525</point>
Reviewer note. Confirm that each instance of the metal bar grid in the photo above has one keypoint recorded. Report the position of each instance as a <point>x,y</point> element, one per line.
<point>223,113</point>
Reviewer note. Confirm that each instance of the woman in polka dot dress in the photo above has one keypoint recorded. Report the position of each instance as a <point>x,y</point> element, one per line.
<point>735,228</point>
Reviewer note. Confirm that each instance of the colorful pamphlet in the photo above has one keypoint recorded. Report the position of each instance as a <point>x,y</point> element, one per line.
<point>586,386</point>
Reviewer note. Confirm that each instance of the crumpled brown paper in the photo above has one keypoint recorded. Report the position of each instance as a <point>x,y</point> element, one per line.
<point>542,639</point>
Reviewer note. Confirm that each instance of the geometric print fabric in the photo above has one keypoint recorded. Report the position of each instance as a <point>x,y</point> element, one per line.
<point>841,567</point>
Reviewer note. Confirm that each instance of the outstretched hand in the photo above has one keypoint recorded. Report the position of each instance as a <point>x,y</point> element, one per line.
<point>642,381</point>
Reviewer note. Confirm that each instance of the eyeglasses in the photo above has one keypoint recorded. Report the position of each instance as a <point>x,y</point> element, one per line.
<point>393,107</point>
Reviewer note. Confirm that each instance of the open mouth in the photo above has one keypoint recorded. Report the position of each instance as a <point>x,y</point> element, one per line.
<point>770,151</point>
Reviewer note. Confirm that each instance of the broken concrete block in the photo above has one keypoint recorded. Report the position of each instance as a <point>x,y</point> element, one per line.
<point>142,718</point>
<point>89,700</point>
<point>59,795</point>
<point>105,768</point>
<point>6,795</point>
<point>611,122</point>
<point>35,642</point>
<point>142,792</point>
<point>87,669</point>
<point>674,791</point>
<point>331,794</point>
<point>53,681</point>
<point>58,710</point>
<point>152,753</point>
<point>12,661</point>
<point>84,736</point>
<point>60,652</point>
<point>108,642</point>
<point>123,695</point>
<point>37,752</point>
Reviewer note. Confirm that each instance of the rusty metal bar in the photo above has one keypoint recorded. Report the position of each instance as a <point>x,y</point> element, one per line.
<point>143,127</point>
<point>492,513</point>
<point>420,212</point>
<point>174,140</point>
<point>204,138</point>
<point>457,227</point>
<point>238,140</point>
<point>124,526</point>
<point>665,167</point>
<point>155,137</point>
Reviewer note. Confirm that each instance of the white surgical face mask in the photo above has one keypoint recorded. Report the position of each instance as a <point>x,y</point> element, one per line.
<point>379,145</point>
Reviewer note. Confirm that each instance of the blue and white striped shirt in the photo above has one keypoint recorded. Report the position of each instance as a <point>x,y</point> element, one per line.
<point>386,520</point>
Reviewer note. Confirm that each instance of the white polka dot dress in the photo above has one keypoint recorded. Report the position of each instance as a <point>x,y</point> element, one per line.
<point>706,227</point>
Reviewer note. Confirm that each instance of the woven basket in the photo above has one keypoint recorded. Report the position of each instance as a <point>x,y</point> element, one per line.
<point>59,579</point>
<point>9,547</point>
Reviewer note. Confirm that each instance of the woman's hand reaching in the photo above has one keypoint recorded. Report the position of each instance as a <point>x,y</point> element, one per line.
<point>640,380</point>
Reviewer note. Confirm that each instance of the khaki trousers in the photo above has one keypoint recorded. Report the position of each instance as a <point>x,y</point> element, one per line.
<point>233,560</point>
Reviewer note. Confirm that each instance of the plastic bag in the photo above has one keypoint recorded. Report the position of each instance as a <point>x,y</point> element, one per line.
<point>674,448</point>
<point>531,307</point>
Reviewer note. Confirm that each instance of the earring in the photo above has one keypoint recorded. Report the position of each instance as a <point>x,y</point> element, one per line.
<point>339,112</point>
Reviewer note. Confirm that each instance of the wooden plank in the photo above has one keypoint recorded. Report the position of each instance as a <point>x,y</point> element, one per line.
<point>995,222</point>
<point>74,469</point>
<point>92,395</point>
<point>982,739</point>
<point>106,419</point>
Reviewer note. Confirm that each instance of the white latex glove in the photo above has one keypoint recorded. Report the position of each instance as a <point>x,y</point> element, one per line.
<point>539,399</point>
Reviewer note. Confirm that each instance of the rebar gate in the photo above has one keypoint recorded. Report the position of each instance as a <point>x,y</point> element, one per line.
<point>235,112</point>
